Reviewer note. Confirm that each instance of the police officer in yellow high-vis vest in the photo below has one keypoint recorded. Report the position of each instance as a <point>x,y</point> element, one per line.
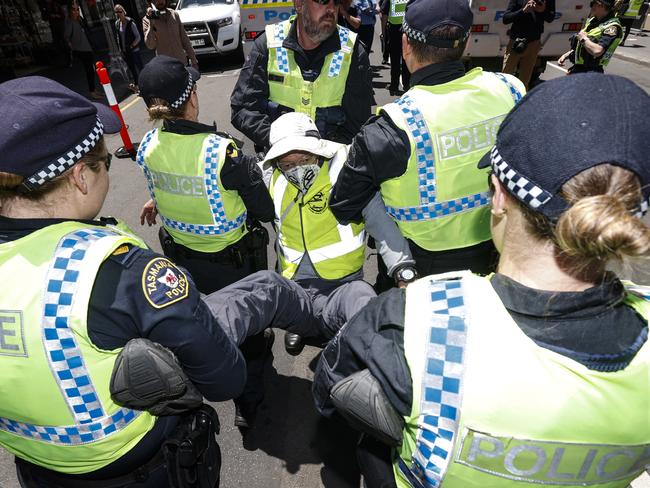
<point>593,47</point>
<point>421,151</point>
<point>538,374</point>
<point>74,291</point>
<point>305,64</point>
<point>206,193</point>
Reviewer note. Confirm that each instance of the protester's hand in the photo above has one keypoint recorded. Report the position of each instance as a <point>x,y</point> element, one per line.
<point>530,5</point>
<point>149,12</point>
<point>149,212</point>
<point>540,6</point>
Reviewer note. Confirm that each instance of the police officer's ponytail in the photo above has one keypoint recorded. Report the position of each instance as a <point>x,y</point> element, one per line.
<point>160,109</point>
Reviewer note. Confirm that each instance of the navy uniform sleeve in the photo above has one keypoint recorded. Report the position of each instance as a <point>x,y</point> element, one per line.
<point>379,152</point>
<point>358,97</point>
<point>138,293</point>
<point>250,97</point>
<point>373,339</point>
<point>241,173</point>
<point>610,34</point>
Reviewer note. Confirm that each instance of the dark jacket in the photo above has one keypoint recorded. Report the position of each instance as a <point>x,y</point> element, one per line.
<point>129,35</point>
<point>253,112</point>
<point>527,25</point>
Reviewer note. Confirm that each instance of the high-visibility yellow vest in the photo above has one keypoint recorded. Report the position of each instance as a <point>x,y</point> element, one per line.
<point>55,405</point>
<point>493,409</point>
<point>305,224</point>
<point>633,10</point>
<point>397,11</point>
<point>183,177</point>
<point>286,85</point>
<point>440,202</point>
<point>595,34</point>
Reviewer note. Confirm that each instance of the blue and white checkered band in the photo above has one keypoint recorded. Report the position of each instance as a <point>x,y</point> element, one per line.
<point>517,184</point>
<point>68,160</point>
<point>337,58</point>
<point>64,354</point>
<point>281,52</point>
<point>429,207</point>
<point>413,33</point>
<point>442,383</point>
<point>643,208</point>
<point>516,94</point>
<point>186,93</point>
<point>211,178</point>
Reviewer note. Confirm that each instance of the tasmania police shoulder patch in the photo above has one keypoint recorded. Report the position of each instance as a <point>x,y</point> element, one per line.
<point>163,283</point>
<point>611,30</point>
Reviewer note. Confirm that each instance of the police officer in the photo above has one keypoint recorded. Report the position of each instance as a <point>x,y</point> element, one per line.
<point>421,151</point>
<point>75,291</point>
<point>594,45</point>
<point>523,378</point>
<point>632,12</point>
<point>324,258</point>
<point>393,12</point>
<point>305,64</point>
<point>204,190</point>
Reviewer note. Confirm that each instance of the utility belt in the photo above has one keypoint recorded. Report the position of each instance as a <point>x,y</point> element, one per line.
<point>190,455</point>
<point>251,246</point>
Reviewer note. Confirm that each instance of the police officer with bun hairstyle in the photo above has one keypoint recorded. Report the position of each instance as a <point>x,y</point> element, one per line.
<point>420,152</point>
<point>593,47</point>
<point>209,196</point>
<point>75,291</point>
<point>538,374</point>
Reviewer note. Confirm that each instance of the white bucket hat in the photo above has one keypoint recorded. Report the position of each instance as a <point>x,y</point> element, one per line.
<point>295,131</point>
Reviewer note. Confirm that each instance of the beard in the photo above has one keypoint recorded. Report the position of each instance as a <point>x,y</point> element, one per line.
<point>317,30</point>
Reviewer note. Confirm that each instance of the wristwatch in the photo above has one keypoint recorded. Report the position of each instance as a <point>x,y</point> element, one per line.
<point>405,274</point>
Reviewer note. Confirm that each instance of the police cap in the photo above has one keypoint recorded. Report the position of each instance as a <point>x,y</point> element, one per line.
<point>47,128</point>
<point>568,125</point>
<point>167,78</point>
<point>422,16</point>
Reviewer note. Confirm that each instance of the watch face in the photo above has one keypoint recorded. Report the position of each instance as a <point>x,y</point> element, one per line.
<point>407,274</point>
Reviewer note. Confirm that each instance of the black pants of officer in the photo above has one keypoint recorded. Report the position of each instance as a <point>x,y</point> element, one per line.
<point>481,259</point>
<point>397,63</point>
<point>375,463</point>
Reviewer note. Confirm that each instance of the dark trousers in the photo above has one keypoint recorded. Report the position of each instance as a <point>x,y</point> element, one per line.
<point>397,63</point>
<point>481,259</point>
<point>87,60</point>
<point>375,463</point>
<point>366,35</point>
<point>134,62</point>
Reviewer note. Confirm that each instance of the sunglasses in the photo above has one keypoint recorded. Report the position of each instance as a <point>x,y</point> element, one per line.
<point>326,2</point>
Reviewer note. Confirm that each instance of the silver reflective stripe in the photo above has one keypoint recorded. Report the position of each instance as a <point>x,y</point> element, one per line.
<point>337,58</point>
<point>64,354</point>
<point>280,52</point>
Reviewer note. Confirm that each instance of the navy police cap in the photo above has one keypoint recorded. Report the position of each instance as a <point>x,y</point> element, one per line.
<point>422,16</point>
<point>568,125</point>
<point>45,128</point>
<point>167,78</point>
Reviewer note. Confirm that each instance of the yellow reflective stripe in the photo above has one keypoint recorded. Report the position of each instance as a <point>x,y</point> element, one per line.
<point>336,165</point>
<point>292,255</point>
<point>279,187</point>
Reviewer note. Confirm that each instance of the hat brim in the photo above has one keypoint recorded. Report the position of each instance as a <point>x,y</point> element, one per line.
<point>194,73</point>
<point>485,161</point>
<point>110,120</point>
<point>313,145</point>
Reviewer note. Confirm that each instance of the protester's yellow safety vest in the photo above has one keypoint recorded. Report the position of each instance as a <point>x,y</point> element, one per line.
<point>55,405</point>
<point>440,202</point>
<point>595,34</point>
<point>397,11</point>
<point>305,224</point>
<point>493,409</point>
<point>633,10</point>
<point>183,177</point>
<point>286,85</point>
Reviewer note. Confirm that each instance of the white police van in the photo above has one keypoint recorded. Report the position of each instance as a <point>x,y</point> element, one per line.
<point>213,26</point>
<point>490,35</point>
<point>256,14</point>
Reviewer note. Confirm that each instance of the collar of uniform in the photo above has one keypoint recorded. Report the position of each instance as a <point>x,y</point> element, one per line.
<point>329,45</point>
<point>188,127</point>
<point>13,229</point>
<point>437,74</point>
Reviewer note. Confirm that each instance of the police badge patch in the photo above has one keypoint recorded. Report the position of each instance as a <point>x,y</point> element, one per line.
<point>610,31</point>
<point>163,283</point>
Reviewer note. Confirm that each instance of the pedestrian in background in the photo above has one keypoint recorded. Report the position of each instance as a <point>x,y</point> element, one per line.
<point>77,38</point>
<point>527,18</point>
<point>367,10</point>
<point>383,18</point>
<point>348,16</point>
<point>128,40</point>
<point>394,12</point>
<point>164,32</point>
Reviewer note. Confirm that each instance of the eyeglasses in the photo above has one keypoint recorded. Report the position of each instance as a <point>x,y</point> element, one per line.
<point>107,161</point>
<point>285,165</point>
<point>326,2</point>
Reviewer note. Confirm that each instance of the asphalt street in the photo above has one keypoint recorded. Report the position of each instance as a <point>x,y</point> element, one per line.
<point>289,446</point>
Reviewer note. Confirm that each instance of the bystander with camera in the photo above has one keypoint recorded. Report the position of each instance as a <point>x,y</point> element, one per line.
<point>527,18</point>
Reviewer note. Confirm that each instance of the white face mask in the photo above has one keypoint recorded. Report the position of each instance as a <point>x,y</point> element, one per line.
<point>302,177</point>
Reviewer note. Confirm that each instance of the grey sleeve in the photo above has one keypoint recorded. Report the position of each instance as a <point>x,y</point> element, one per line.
<point>136,34</point>
<point>391,244</point>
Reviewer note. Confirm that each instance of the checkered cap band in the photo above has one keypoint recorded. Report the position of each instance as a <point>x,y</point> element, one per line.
<point>64,355</point>
<point>517,184</point>
<point>68,160</point>
<point>413,33</point>
<point>211,180</point>
<point>442,382</point>
<point>643,208</point>
<point>186,93</point>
